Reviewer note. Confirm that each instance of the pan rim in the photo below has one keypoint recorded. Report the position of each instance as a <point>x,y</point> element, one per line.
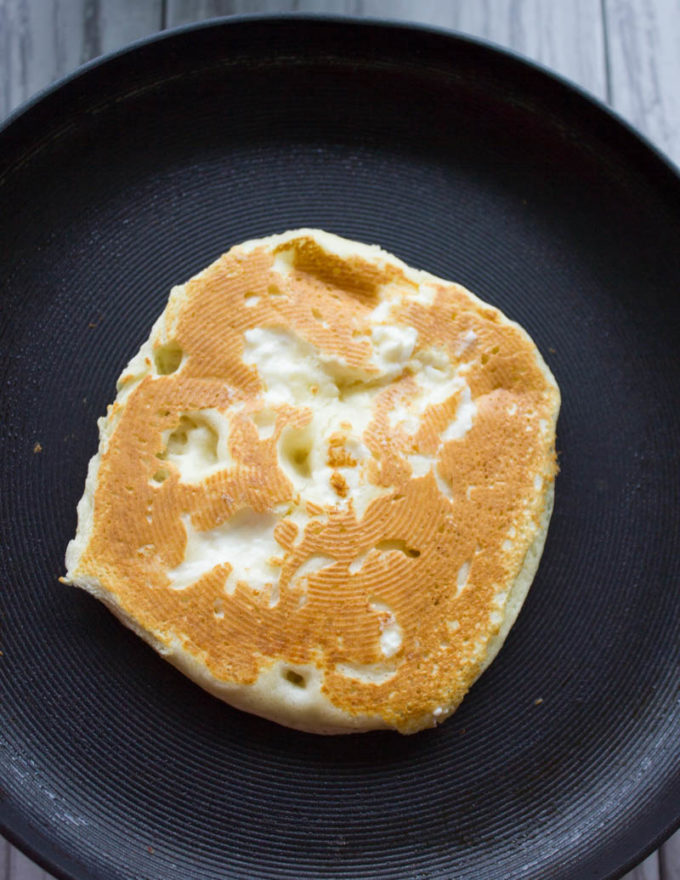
<point>664,164</point>
<point>368,22</point>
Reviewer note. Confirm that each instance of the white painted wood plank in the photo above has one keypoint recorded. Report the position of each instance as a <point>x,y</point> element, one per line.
<point>185,11</point>
<point>41,41</point>
<point>22,868</point>
<point>647,870</point>
<point>669,858</point>
<point>644,63</point>
<point>122,21</point>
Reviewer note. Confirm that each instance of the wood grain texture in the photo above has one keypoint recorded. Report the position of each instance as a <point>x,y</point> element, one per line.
<point>625,51</point>
<point>647,870</point>
<point>41,40</point>
<point>669,858</point>
<point>21,868</point>
<point>643,39</point>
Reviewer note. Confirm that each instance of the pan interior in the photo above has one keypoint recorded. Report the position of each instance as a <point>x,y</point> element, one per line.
<point>563,760</point>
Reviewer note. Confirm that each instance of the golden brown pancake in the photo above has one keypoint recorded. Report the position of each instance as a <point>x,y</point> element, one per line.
<point>324,486</point>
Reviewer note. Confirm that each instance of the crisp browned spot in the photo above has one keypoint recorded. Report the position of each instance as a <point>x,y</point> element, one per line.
<point>339,483</point>
<point>338,454</point>
<point>354,276</point>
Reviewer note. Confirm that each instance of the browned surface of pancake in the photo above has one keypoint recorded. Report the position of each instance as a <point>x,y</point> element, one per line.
<point>413,540</point>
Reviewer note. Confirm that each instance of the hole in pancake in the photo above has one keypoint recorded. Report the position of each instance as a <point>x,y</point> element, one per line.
<point>383,547</point>
<point>426,294</point>
<point>442,484</point>
<point>167,358</point>
<point>251,298</point>
<point>300,460</point>
<point>218,609</point>
<point>356,564</point>
<point>265,422</point>
<point>295,678</point>
<point>193,431</point>
<point>421,465</point>
<point>390,632</point>
<point>397,544</point>
<point>159,477</point>
<point>295,447</point>
<point>312,564</point>
<point>283,262</point>
<point>462,577</point>
<point>197,445</point>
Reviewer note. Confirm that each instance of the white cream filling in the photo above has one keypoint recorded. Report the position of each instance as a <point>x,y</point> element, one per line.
<point>246,542</point>
<point>198,445</point>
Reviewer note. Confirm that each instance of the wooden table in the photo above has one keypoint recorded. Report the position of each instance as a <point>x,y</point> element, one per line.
<point>625,52</point>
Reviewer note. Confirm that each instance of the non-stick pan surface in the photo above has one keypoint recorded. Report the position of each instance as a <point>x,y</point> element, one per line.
<point>563,760</point>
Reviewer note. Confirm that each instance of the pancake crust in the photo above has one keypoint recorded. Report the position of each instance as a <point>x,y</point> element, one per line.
<point>324,487</point>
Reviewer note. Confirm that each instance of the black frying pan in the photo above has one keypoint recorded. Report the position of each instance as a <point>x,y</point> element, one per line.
<point>135,173</point>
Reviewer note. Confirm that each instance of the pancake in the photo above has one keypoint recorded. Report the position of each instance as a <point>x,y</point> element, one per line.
<point>324,486</point>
